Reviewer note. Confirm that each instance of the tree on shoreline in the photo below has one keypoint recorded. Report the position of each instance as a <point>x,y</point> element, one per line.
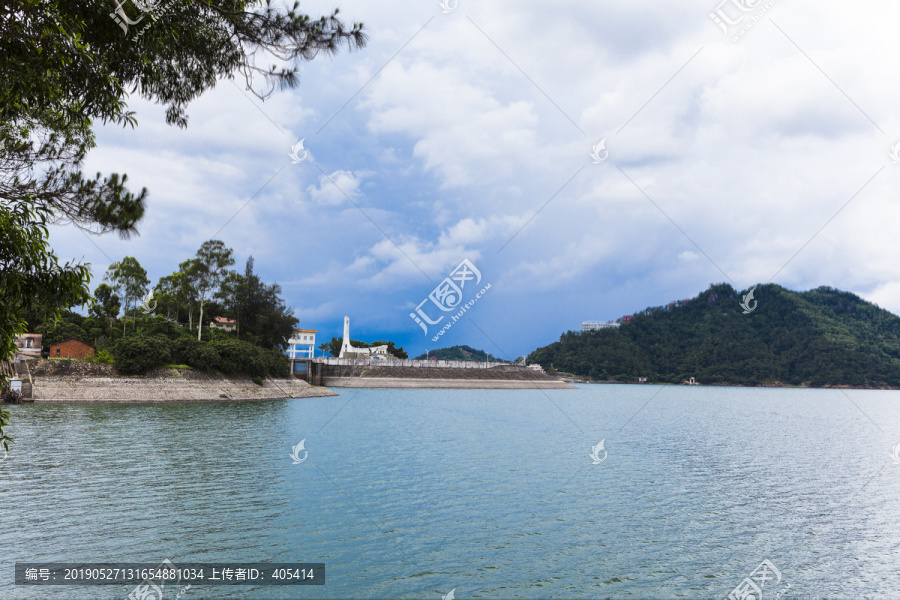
<point>129,279</point>
<point>212,260</point>
<point>106,303</point>
<point>261,314</point>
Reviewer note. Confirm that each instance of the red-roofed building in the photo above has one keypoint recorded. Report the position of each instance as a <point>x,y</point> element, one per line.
<point>224,324</point>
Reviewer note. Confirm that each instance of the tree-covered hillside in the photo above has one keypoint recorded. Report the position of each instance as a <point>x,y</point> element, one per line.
<point>461,353</point>
<point>819,337</point>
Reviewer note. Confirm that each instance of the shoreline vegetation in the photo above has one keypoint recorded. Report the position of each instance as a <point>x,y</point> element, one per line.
<point>822,338</point>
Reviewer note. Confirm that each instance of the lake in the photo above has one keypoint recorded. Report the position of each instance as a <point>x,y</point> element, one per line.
<point>491,493</point>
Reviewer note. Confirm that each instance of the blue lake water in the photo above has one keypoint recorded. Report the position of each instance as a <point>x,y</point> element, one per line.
<point>491,493</point>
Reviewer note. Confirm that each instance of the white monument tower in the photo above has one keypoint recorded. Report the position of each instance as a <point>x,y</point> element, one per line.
<point>347,348</point>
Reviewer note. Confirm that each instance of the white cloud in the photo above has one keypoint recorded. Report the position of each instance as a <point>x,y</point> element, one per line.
<point>340,187</point>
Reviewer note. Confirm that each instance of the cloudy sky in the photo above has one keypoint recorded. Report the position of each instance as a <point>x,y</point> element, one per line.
<point>761,154</point>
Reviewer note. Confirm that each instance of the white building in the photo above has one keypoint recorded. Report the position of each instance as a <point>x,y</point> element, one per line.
<point>595,325</point>
<point>302,344</point>
<point>350,351</point>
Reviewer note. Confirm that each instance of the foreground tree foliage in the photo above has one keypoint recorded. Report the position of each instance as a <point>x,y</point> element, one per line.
<point>65,66</point>
<point>31,277</point>
<point>821,337</point>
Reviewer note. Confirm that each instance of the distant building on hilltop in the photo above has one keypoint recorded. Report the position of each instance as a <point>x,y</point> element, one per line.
<point>595,325</point>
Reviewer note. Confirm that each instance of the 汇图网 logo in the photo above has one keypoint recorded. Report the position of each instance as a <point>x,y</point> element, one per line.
<point>734,17</point>
<point>448,297</point>
<point>766,574</point>
<point>153,8</point>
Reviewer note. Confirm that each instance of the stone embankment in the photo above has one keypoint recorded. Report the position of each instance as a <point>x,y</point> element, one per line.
<point>75,381</point>
<point>506,377</point>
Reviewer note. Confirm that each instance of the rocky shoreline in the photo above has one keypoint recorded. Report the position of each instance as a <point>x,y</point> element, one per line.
<point>79,381</point>
<point>74,381</point>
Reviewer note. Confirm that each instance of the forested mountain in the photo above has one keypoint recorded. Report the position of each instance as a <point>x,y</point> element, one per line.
<point>820,337</point>
<point>461,353</point>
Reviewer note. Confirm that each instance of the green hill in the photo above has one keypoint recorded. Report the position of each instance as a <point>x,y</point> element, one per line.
<point>461,353</point>
<point>819,337</point>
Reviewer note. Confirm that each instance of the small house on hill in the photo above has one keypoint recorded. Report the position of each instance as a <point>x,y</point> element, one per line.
<point>223,324</point>
<point>71,348</point>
